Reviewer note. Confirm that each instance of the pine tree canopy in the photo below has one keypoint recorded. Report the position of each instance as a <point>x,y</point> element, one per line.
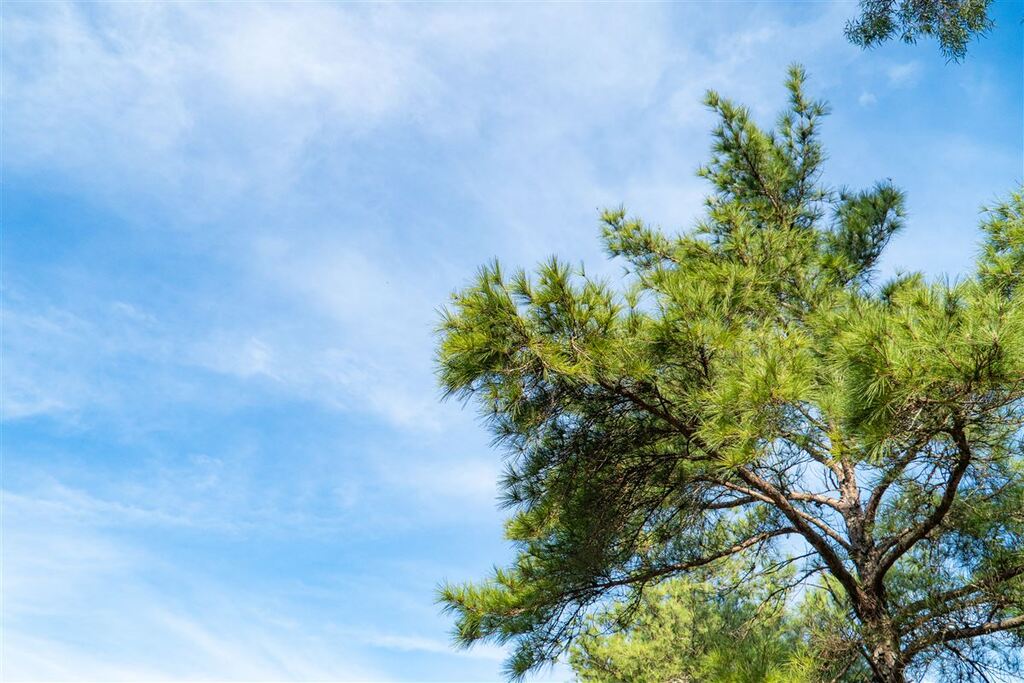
<point>751,391</point>
<point>954,23</point>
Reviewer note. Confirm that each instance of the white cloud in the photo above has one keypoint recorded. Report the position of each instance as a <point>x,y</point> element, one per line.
<point>186,100</point>
<point>210,101</point>
<point>867,99</point>
<point>85,598</point>
<point>312,55</point>
<point>904,75</point>
<point>181,645</point>
<point>359,349</point>
<point>192,107</point>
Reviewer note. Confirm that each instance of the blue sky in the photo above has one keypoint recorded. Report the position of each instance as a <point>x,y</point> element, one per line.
<point>227,229</point>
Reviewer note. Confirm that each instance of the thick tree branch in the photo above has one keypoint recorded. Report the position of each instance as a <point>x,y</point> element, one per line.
<point>803,527</point>
<point>825,528</point>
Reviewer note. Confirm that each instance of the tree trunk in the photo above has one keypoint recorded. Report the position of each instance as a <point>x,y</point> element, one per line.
<point>882,641</point>
<point>886,662</point>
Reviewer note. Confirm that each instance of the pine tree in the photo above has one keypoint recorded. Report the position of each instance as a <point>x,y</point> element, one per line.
<point>750,390</point>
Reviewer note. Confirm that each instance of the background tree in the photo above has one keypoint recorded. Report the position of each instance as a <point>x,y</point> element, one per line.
<point>954,23</point>
<point>716,627</point>
<point>752,390</point>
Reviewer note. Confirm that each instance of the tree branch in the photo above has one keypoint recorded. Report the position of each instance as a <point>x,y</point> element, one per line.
<point>890,477</point>
<point>825,528</point>
<point>951,634</point>
<point>976,586</point>
<point>694,564</point>
<point>896,547</point>
<point>828,554</point>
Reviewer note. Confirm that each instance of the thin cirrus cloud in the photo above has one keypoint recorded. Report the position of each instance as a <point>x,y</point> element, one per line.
<point>58,548</point>
<point>229,228</point>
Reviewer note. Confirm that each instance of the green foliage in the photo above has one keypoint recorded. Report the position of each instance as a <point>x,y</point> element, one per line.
<point>713,626</point>
<point>952,22</point>
<point>750,388</point>
<point>1001,266</point>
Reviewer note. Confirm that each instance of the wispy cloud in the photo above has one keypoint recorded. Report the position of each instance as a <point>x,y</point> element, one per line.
<point>244,126</point>
<point>66,580</point>
<point>904,75</point>
<point>433,645</point>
